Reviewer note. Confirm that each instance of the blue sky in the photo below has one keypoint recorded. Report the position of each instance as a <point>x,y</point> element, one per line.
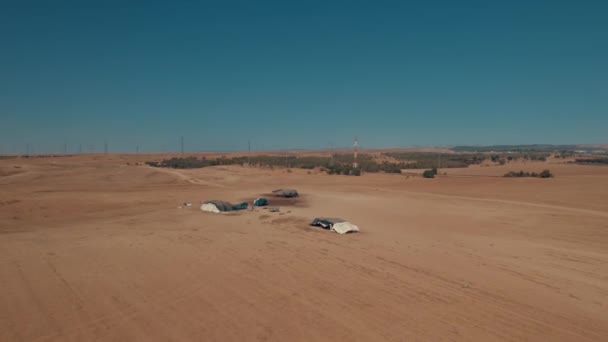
<point>287,74</point>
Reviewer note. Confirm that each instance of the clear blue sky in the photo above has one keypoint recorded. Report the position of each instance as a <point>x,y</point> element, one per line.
<point>289,74</point>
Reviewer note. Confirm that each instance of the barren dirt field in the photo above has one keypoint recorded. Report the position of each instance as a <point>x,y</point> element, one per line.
<point>96,248</point>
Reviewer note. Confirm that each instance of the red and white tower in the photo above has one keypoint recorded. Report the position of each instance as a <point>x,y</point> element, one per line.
<point>355,151</point>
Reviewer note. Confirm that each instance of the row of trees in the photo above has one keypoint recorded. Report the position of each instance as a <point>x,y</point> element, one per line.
<point>421,160</point>
<point>184,163</point>
<point>543,174</point>
<point>337,164</point>
<point>261,161</point>
<point>599,161</point>
<point>515,148</point>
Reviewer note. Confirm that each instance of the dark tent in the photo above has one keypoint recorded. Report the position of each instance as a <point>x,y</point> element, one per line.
<point>260,202</point>
<point>240,206</point>
<point>285,193</point>
<point>326,222</point>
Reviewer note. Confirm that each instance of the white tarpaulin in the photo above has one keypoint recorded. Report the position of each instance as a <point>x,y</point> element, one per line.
<point>344,227</point>
<point>338,225</point>
<point>210,207</point>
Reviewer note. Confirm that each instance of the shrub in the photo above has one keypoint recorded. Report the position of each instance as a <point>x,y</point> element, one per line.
<point>545,174</point>
<point>428,174</point>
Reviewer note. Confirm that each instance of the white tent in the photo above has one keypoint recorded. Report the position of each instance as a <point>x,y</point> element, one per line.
<point>210,207</point>
<point>217,206</point>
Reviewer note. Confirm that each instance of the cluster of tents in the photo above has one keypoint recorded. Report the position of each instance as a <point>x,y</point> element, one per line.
<point>330,223</point>
<point>218,206</point>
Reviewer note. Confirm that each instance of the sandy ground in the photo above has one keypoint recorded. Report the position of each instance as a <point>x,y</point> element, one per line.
<point>94,249</point>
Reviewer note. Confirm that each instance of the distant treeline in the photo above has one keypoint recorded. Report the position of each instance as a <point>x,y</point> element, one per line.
<point>597,161</point>
<point>337,164</point>
<point>341,164</point>
<point>423,160</point>
<point>543,174</point>
<point>515,148</point>
<point>31,156</point>
<point>427,160</point>
<point>184,163</point>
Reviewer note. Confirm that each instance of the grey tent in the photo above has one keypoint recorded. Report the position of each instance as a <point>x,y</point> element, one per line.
<point>286,193</point>
<point>217,206</point>
<point>326,222</point>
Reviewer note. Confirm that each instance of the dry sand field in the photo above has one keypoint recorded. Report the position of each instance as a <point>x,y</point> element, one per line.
<point>96,248</point>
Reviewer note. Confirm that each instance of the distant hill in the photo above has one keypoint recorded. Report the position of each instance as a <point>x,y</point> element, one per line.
<point>516,148</point>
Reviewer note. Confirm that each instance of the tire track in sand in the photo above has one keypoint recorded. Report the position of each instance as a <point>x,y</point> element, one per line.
<point>189,179</point>
<point>501,201</point>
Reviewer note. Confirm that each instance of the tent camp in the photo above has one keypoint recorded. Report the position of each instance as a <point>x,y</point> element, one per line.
<point>285,193</point>
<point>338,225</point>
<point>216,206</point>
